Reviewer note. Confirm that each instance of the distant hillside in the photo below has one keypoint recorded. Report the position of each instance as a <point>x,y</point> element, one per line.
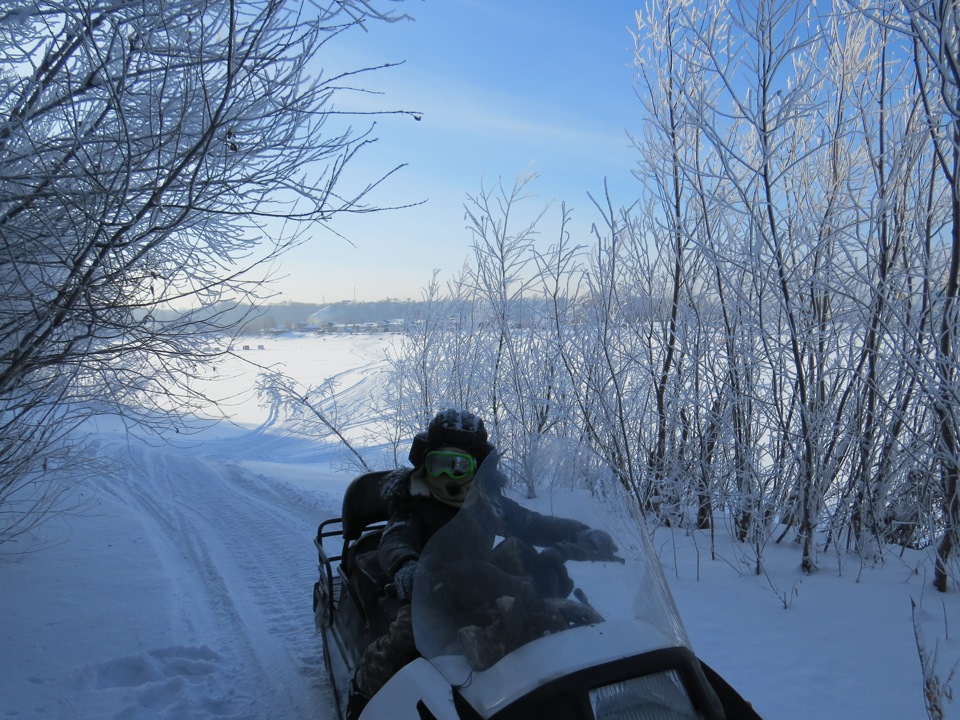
<point>355,313</point>
<point>285,315</point>
<point>295,316</point>
<point>302,316</point>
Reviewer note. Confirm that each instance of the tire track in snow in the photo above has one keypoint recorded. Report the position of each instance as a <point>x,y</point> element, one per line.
<point>238,551</point>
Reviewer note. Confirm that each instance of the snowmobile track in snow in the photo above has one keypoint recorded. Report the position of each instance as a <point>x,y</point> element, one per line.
<point>237,549</point>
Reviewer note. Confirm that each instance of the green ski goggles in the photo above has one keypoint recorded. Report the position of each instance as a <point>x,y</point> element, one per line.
<point>456,466</point>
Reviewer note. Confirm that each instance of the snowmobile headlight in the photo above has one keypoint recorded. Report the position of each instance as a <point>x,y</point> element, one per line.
<point>660,696</point>
<point>455,465</point>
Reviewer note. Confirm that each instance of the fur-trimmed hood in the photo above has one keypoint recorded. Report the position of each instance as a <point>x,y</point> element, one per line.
<point>395,488</point>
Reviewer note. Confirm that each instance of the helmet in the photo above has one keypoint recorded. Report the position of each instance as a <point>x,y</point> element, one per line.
<point>452,428</point>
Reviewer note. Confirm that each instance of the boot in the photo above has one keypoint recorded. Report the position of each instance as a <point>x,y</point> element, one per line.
<point>356,702</point>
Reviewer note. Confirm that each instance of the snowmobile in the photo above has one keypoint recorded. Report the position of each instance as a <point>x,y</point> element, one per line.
<point>613,648</point>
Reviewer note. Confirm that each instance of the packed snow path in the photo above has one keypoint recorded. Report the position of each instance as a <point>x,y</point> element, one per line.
<point>237,551</point>
<point>217,623</point>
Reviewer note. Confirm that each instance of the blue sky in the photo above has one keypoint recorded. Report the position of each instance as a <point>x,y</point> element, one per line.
<point>503,88</point>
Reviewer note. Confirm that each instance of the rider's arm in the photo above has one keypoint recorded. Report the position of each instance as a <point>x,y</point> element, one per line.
<point>401,542</point>
<point>537,529</point>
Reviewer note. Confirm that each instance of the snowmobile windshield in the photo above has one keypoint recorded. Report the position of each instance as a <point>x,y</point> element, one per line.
<point>521,583</point>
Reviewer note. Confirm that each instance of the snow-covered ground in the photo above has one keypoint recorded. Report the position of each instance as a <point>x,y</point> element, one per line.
<point>181,588</point>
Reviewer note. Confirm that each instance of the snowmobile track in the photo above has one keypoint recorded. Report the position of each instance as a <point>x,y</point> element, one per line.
<point>248,548</point>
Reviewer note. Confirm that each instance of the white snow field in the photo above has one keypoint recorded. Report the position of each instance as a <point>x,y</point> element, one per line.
<point>181,587</point>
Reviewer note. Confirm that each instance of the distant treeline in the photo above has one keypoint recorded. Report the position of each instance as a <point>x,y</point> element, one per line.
<point>255,320</point>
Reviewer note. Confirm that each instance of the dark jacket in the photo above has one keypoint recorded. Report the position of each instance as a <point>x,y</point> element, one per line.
<point>415,518</point>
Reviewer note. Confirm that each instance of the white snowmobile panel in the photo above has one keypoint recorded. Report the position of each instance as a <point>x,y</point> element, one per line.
<point>549,658</point>
<point>417,683</point>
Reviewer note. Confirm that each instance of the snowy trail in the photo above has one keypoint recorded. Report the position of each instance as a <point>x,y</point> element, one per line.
<point>236,549</point>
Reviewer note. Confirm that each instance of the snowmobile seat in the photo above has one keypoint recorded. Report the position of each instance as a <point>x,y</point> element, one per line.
<point>364,516</point>
<point>363,505</point>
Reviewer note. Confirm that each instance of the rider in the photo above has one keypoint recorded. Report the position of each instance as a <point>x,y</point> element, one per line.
<point>422,499</point>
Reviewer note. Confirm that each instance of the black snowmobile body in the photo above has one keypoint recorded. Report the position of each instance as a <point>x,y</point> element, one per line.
<point>608,662</point>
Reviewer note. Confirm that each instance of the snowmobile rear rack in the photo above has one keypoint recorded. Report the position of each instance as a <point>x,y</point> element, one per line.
<point>347,597</point>
<point>363,517</point>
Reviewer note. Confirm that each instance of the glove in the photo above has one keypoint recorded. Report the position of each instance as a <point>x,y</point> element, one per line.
<point>598,542</point>
<point>590,544</point>
<point>403,580</point>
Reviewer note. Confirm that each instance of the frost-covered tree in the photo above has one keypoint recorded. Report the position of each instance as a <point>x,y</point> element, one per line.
<point>934,28</point>
<point>152,156</point>
<point>504,273</point>
<point>769,333</point>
